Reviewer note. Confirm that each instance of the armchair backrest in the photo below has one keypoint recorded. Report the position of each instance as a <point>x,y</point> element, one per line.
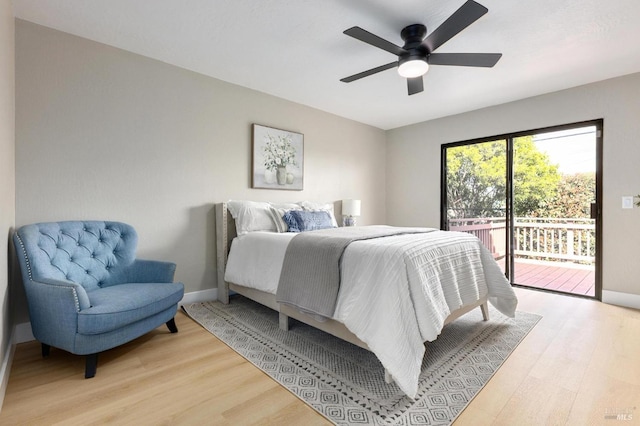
<point>88,253</point>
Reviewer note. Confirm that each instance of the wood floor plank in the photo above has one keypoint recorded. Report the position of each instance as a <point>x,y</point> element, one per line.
<point>578,364</point>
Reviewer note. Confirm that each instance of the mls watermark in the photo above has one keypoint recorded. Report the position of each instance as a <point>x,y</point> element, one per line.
<point>624,414</point>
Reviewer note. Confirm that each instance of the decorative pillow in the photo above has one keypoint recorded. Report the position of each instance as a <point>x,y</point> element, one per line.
<point>328,207</point>
<point>300,220</point>
<point>278,210</point>
<point>251,216</point>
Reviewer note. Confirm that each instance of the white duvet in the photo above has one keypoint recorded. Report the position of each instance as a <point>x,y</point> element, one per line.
<point>395,292</point>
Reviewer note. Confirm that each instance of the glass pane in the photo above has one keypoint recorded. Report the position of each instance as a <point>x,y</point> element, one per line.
<point>554,186</point>
<point>476,193</point>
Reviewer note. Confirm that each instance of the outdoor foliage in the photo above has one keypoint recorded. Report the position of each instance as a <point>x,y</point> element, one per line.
<point>476,179</point>
<point>572,199</point>
<point>535,179</point>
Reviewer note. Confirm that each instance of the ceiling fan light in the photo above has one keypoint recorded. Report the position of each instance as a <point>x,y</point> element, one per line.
<point>413,68</point>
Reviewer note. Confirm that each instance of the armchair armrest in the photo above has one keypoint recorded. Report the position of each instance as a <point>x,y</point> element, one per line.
<point>53,310</point>
<point>66,292</point>
<point>150,271</point>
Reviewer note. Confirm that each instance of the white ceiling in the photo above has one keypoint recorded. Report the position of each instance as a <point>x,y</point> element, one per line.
<point>295,49</point>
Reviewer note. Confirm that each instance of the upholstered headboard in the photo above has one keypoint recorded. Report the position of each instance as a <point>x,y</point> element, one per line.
<point>225,233</point>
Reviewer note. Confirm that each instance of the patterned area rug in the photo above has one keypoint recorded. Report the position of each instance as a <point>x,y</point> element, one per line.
<point>345,383</point>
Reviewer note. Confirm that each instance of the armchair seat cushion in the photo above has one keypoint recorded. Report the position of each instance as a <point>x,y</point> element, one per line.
<point>120,305</point>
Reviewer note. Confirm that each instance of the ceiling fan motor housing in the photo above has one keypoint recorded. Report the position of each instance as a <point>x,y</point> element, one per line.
<point>413,35</point>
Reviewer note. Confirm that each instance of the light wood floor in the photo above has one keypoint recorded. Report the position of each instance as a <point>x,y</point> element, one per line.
<point>578,365</point>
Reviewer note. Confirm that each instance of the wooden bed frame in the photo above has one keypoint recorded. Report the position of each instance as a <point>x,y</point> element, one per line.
<point>226,232</point>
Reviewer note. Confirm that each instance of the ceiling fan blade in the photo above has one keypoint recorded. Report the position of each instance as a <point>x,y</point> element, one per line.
<point>374,40</point>
<point>461,19</point>
<point>369,72</point>
<point>465,59</point>
<point>415,85</point>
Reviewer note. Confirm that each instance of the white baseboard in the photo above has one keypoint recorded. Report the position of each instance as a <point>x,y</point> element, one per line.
<point>22,333</point>
<point>621,299</point>
<point>200,296</point>
<point>5,370</point>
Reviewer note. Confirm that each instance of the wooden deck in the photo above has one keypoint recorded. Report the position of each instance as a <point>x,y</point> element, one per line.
<point>556,276</point>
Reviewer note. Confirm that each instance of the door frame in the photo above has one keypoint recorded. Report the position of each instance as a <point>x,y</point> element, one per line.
<point>509,137</point>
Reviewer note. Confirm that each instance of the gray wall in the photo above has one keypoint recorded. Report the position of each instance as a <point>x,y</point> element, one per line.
<point>413,162</point>
<point>7,171</point>
<point>103,133</point>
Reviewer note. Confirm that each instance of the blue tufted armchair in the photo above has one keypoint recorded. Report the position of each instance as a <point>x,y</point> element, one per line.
<point>87,292</point>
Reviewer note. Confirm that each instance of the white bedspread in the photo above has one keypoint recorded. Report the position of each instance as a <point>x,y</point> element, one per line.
<point>395,292</point>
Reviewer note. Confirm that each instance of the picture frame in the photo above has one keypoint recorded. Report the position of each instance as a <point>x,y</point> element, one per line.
<point>277,160</point>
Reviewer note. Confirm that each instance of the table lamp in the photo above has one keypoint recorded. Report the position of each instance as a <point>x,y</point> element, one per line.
<point>350,210</point>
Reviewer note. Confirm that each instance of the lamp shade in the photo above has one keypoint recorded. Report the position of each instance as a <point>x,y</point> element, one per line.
<point>351,207</point>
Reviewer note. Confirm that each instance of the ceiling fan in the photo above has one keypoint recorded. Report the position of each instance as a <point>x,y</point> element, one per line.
<point>417,54</point>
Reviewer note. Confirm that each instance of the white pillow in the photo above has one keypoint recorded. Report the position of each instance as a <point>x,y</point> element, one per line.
<point>251,216</point>
<point>277,212</point>
<point>328,207</point>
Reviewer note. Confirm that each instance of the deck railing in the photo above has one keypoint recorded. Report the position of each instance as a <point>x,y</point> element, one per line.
<point>559,239</point>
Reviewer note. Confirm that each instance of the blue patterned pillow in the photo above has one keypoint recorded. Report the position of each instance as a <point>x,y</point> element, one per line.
<point>300,220</point>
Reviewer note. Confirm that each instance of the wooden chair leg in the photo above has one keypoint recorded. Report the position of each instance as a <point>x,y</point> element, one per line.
<point>91,366</point>
<point>171,325</point>
<point>45,350</point>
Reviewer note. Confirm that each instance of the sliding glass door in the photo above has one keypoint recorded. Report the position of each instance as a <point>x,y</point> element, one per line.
<point>476,193</point>
<point>532,198</point>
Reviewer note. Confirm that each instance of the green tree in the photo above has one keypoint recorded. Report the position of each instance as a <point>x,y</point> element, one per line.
<point>535,178</point>
<point>573,199</point>
<point>476,179</point>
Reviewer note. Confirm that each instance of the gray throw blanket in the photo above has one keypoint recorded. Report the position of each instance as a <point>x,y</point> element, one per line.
<point>310,277</point>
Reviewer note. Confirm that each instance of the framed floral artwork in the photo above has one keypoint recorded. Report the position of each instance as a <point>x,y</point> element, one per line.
<point>277,159</point>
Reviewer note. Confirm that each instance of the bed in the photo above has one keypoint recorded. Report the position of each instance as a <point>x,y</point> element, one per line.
<point>379,318</point>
